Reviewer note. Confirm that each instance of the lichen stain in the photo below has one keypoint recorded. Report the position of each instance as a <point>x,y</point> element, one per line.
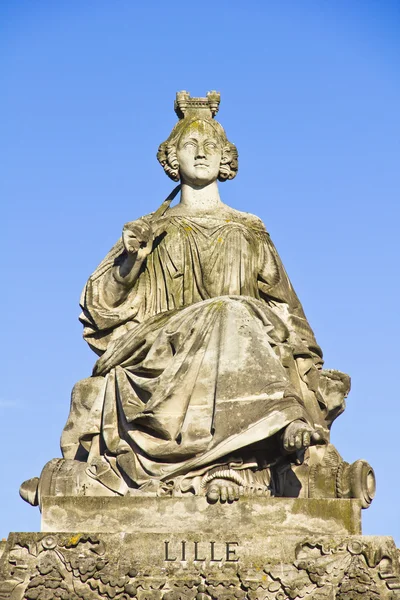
<point>74,540</point>
<point>199,125</point>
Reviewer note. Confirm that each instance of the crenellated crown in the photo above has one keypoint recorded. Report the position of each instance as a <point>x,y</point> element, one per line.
<point>204,108</point>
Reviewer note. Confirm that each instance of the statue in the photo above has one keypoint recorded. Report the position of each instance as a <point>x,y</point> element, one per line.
<point>209,379</point>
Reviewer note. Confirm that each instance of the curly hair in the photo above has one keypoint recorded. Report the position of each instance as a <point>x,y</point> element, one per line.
<point>166,154</point>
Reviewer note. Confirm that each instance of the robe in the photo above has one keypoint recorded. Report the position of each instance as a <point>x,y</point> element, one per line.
<point>208,353</point>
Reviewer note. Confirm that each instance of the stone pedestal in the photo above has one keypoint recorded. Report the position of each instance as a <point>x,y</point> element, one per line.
<point>184,548</point>
<point>249,518</point>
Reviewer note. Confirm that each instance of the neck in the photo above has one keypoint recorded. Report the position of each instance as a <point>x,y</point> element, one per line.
<point>199,199</point>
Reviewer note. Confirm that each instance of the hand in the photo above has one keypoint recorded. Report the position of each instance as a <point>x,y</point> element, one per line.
<point>137,237</point>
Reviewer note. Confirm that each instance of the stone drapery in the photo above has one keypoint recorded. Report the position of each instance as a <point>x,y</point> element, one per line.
<point>209,352</point>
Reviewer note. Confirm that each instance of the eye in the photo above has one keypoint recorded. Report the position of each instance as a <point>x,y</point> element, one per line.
<point>189,144</point>
<point>211,145</point>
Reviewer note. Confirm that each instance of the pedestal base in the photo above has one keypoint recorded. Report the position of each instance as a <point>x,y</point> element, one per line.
<point>248,517</point>
<point>180,549</point>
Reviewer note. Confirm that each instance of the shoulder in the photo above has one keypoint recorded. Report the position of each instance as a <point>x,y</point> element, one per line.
<point>250,220</point>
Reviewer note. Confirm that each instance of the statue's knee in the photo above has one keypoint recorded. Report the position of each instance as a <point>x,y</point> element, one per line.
<point>85,392</point>
<point>231,306</point>
<point>83,396</point>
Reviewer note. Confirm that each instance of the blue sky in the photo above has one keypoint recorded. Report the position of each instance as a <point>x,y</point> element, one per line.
<point>310,95</point>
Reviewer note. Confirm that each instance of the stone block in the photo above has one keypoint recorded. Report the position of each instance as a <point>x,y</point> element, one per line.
<point>258,517</point>
<point>231,565</point>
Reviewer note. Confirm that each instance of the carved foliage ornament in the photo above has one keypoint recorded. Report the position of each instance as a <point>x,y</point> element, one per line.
<point>81,567</point>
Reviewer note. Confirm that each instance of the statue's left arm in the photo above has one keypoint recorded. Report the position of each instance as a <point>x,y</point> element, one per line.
<point>329,386</point>
<point>275,287</point>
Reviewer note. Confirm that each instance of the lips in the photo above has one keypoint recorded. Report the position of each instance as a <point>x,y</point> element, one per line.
<point>201,165</point>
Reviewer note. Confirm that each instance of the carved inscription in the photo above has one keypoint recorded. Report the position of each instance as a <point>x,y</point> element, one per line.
<point>86,567</point>
<point>201,551</point>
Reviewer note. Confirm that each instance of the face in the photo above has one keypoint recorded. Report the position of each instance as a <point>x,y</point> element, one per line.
<point>199,154</point>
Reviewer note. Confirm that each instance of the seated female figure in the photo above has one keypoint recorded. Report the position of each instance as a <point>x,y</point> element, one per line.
<point>209,376</point>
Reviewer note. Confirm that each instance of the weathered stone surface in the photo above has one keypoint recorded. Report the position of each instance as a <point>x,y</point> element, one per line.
<point>2,547</point>
<point>253,517</point>
<point>209,388</point>
<point>209,379</point>
<point>198,567</point>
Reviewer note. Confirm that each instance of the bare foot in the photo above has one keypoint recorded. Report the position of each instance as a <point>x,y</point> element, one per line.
<point>224,491</point>
<point>299,436</point>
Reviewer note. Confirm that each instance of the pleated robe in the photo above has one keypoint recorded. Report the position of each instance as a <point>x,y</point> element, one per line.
<point>199,358</point>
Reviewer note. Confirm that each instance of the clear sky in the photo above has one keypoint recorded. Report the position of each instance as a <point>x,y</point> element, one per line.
<point>310,95</point>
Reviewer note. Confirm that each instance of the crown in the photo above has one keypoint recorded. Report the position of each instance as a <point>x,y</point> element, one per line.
<point>205,108</point>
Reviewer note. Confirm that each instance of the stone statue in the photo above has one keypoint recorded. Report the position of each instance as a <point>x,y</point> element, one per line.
<point>209,379</point>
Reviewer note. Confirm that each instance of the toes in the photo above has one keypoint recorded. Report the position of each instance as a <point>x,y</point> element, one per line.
<point>288,444</point>
<point>231,493</point>
<point>316,437</point>
<point>224,492</point>
<point>299,437</point>
<point>213,494</point>
<point>298,440</point>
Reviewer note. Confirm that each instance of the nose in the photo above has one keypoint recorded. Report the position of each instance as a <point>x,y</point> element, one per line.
<point>200,152</point>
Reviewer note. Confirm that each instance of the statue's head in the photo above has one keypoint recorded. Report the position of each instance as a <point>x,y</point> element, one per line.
<point>197,150</point>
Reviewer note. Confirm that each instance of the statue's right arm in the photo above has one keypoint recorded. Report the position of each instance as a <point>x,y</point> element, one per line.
<point>107,301</point>
<point>137,238</point>
<point>119,280</point>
